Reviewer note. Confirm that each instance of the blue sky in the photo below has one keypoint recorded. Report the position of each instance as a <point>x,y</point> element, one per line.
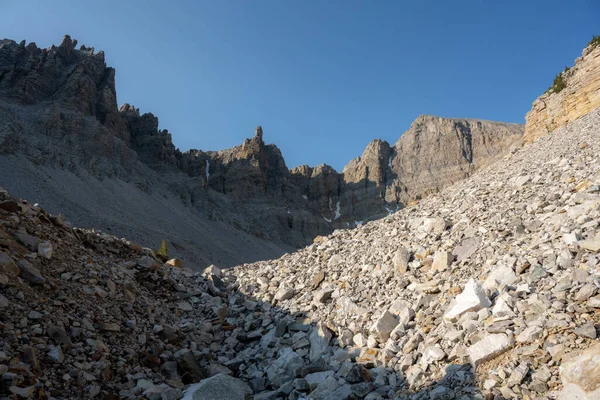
<point>325,77</point>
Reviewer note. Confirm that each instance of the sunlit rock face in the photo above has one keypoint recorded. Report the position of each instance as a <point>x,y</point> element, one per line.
<point>580,95</point>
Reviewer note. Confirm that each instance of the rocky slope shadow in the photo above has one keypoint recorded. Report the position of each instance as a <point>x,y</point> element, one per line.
<point>65,144</point>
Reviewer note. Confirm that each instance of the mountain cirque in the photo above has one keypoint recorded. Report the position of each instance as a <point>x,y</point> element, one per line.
<point>65,144</point>
<point>487,290</point>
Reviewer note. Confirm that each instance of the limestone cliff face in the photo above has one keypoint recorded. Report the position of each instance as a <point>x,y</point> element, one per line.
<point>58,109</point>
<point>436,152</point>
<point>366,179</point>
<point>580,96</point>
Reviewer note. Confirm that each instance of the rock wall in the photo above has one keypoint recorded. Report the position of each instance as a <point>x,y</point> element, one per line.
<point>436,152</point>
<point>580,96</point>
<point>58,109</point>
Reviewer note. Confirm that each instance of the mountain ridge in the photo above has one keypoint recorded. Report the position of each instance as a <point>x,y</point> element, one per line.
<point>59,108</point>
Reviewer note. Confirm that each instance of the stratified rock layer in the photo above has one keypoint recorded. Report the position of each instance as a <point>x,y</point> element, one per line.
<point>580,96</point>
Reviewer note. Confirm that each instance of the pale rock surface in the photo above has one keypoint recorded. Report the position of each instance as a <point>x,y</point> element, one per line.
<point>500,274</point>
<point>472,298</point>
<point>489,347</point>
<point>219,387</point>
<point>581,376</point>
<point>384,325</point>
<point>581,95</point>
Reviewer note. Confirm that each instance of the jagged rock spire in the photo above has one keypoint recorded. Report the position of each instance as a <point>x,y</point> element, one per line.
<point>258,132</point>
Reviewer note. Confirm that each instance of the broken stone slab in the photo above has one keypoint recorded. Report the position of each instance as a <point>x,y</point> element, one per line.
<point>489,347</point>
<point>501,274</point>
<point>502,306</point>
<point>8,266</point>
<point>571,238</point>
<point>442,260</point>
<point>319,342</point>
<point>174,263</point>
<point>212,270</point>
<point>521,180</point>
<point>146,262</point>
<point>325,389</point>
<point>349,307</point>
<point>316,378</point>
<point>284,368</point>
<point>434,225</point>
<point>466,249</point>
<point>401,259</point>
<point>588,331</point>
<point>190,368</point>
<point>592,245</point>
<point>10,206</point>
<point>432,354</point>
<point>219,387</point>
<point>473,298</point>
<point>317,279</point>
<point>4,303</point>
<point>384,325</point>
<point>185,306</point>
<point>581,376</point>
<point>529,334</point>
<point>30,273</point>
<point>27,240</point>
<point>518,374</point>
<point>45,250</point>
<point>284,293</point>
<point>322,295</point>
<point>24,393</point>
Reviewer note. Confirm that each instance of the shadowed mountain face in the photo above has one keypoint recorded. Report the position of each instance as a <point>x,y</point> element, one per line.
<point>64,140</point>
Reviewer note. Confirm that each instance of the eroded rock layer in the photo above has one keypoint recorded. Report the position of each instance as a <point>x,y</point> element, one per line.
<point>580,95</point>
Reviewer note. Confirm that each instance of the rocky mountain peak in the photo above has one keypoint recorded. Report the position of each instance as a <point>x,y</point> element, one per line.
<point>66,49</point>
<point>77,126</point>
<point>258,132</point>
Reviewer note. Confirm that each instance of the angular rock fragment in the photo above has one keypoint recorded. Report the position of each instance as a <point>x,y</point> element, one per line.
<point>500,274</point>
<point>473,298</point>
<point>401,259</point>
<point>529,334</point>
<point>8,266</point>
<point>284,293</point>
<point>489,347</point>
<point>581,376</point>
<point>442,260</point>
<point>30,273</point>
<point>592,245</point>
<point>319,341</point>
<point>45,250</point>
<point>219,387</point>
<point>466,249</point>
<point>384,325</point>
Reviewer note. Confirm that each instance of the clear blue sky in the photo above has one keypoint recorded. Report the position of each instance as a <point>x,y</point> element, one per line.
<point>325,77</point>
